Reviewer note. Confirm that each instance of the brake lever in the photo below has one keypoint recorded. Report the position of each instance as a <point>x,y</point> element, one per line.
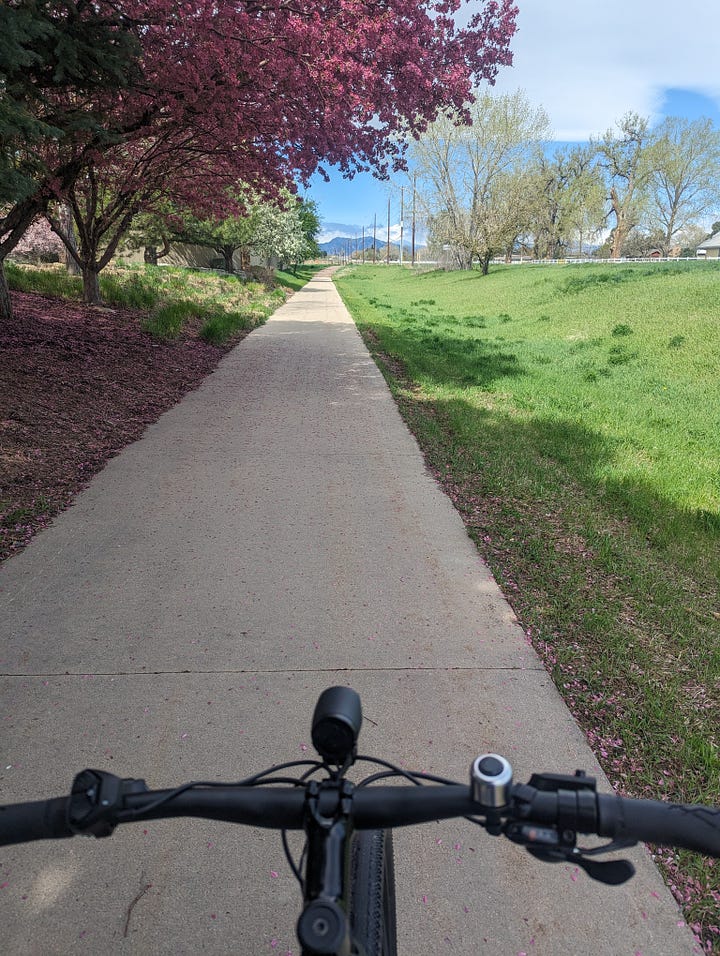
<point>610,872</point>
<point>550,846</point>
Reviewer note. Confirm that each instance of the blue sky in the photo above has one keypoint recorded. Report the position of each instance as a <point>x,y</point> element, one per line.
<point>586,63</point>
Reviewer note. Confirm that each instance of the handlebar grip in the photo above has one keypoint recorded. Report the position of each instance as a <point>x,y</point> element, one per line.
<point>40,820</point>
<point>668,824</point>
<point>381,807</point>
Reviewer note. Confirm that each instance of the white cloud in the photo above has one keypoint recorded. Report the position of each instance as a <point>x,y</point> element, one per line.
<point>588,63</point>
<point>332,229</point>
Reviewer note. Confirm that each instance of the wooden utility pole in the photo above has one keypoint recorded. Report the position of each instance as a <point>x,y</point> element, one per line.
<point>387,250</point>
<point>374,238</point>
<point>402,213</point>
<point>413,219</point>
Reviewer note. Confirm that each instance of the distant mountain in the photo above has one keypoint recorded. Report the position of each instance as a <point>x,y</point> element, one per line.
<point>343,245</point>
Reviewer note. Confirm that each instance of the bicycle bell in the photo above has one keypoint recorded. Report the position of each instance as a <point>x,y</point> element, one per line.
<point>490,780</point>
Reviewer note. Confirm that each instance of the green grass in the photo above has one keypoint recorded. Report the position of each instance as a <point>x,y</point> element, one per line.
<point>174,299</point>
<point>140,288</point>
<point>296,280</point>
<point>168,320</point>
<point>45,281</point>
<point>574,415</point>
<point>222,325</point>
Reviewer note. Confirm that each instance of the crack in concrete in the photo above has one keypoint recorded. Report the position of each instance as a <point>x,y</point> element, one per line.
<point>294,670</point>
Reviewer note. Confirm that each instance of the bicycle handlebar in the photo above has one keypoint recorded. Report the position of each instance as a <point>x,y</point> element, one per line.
<point>544,815</point>
<point>40,820</point>
<point>529,816</point>
<point>693,827</point>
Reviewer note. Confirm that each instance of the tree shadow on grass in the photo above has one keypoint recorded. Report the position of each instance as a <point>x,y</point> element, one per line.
<point>609,566</point>
<point>535,451</point>
<point>529,446</point>
<point>553,451</point>
<point>447,358</point>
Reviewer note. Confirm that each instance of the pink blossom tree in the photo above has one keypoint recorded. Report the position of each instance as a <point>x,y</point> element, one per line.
<point>266,91</point>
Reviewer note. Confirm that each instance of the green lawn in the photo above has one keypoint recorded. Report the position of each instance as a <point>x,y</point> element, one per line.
<point>573,414</point>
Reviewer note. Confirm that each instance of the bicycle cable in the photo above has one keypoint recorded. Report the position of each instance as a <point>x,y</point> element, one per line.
<point>415,777</point>
<point>254,781</point>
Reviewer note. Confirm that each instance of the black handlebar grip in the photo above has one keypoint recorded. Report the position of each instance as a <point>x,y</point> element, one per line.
<point>668,824</point>
<point>40,820</point>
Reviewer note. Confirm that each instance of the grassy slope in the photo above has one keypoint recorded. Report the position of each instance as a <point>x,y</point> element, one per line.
<point>219,304</point>
<point>573,414</point>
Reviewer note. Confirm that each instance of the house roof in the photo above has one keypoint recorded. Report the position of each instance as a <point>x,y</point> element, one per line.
<point>712,243</point>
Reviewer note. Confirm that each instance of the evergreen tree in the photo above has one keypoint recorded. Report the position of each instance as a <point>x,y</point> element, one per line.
<point>61,61</point>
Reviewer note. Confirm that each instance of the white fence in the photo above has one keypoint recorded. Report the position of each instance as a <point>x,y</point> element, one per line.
<point>521,260</point>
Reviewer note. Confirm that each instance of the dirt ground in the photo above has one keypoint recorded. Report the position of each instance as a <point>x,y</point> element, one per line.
<point>77,384</point>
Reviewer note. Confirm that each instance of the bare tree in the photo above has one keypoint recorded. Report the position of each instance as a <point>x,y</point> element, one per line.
<point>569,199</point>
<point>473,176</point>
<point>626,159</point>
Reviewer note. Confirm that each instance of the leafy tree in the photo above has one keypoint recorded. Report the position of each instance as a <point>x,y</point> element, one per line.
<point>225,236</point>
<point>641,243</point>
<point>150,232</point>
<point>685,177</point>
<point>310,223</point>
<point>690,239</point>
<point>586,215</point>
<point>259,92</point>
<point>473,177</point>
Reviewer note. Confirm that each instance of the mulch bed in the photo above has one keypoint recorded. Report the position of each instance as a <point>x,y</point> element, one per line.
<point>77,384</point>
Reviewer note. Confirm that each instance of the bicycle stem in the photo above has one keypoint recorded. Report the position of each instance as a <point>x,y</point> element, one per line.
<point>323,926</point>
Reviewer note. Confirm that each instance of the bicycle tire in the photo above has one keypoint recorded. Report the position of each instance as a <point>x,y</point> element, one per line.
<point>373,921</point>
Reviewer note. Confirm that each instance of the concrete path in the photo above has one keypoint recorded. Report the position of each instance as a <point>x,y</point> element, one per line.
<point>273,534</point>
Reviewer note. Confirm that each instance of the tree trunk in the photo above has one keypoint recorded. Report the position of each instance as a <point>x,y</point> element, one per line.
<point>485,264</point>
<point>463,258</point>
<point>227,252</point>
<point>91,286</point>
<point>622,226</point>
<point>5,303</point>
<point>151,254</point>
<point>66,221</point>
<point>617,243</point>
